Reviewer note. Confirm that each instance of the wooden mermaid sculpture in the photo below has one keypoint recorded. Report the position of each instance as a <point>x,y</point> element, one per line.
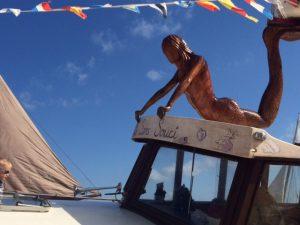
<point>193,78</point>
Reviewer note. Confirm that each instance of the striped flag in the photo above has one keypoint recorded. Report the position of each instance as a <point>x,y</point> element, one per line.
<point>43,7</point>
<point>76,10</point>
<point>260,8</point>
<point>161,7</point>
<point>208,5</point>
<point>16,12</point>
<point>229,5</point>
<point>132,8</point>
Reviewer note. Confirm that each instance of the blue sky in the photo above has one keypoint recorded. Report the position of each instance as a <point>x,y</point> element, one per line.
<point>81,81</point>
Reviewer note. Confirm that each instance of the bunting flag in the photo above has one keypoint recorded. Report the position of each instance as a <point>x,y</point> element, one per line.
<point>132,8</point>
<point>260,8</point>
<point>229,5</point>
<point>16,12</point>
<point>185,4</point>
<point>107,5</point>
<point>76,10</point>
<point>43,7</point>
<point>161,7</point>
<point>208,5</point>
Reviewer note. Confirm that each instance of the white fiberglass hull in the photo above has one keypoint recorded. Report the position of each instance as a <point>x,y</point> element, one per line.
<point>76,213</point>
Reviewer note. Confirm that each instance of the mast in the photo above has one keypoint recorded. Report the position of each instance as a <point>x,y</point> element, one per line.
<point>296,140</point>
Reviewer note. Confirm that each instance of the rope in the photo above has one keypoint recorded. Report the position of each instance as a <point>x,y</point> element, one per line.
<point>68,157</point>
<point>62,151</point>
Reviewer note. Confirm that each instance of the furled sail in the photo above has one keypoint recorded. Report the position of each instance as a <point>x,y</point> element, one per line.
<point>285,187</point>
<point>36,169</point>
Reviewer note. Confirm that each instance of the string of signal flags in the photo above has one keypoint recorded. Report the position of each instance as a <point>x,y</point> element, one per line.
<point>162,8</point>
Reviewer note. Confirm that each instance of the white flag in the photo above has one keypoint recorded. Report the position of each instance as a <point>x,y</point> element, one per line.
<point>107,5</point>
<point>132,8</point>
<point>161,7</point>
<point>16,12</point>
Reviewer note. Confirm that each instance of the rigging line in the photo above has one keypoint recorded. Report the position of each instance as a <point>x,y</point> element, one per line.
<point>68,157</point>
<point>296,129</point>
<point>61,149</point>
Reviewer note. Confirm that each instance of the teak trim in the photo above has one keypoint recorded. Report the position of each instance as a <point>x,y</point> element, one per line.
<point>140,172</point>
<point>243,191</point>
<point>246,180</point>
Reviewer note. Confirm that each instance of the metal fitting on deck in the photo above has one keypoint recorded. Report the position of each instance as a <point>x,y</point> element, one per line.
<point>260,136</point>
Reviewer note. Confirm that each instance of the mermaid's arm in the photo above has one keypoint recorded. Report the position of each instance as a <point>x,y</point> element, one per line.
<point>158,95</point>
<point>181,88</point>
<point>183,85</point>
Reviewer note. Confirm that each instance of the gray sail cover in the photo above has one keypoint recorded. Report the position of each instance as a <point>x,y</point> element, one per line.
<point>36,169</point>
<point>297,134</point>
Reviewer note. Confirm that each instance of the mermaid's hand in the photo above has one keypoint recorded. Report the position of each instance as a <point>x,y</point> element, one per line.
<point>162,110</point>
<point>138,114</point>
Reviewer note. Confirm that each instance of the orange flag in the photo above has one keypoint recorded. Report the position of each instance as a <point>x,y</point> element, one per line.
<point>208,5</point>
<point>76,10</point>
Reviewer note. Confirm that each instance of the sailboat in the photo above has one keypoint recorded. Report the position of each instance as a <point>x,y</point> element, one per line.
<point>40,189</point>
<point>188,172</point>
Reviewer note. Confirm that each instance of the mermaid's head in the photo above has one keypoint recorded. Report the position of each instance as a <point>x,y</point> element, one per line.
<point>176,49</point>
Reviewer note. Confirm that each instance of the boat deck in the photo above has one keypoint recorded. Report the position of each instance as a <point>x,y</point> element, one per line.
<point>85,212</point>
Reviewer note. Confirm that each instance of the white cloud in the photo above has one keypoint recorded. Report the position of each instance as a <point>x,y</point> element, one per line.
<point>170,28</point>
<point>39,84</point>
<point>76,72</point>
<point>106,40</point>
<point>169,170</point>
<point>200,165</point>
<point>28,102</point>
<point>148,30</point>
<point>67,103</point>
<point>157,176</point>
<point>72,68</point>
<point>82,78</point>
<point>91,63</point>
<point>154,75</point>
<point>144,29</point>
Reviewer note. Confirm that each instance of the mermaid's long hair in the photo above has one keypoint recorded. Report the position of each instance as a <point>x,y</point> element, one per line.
<point>178,43</point>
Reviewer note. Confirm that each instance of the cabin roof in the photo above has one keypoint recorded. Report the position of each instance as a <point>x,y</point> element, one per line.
<point>218,137</point>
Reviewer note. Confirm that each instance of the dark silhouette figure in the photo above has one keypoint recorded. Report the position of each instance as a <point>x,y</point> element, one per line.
<point>160,193</point>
